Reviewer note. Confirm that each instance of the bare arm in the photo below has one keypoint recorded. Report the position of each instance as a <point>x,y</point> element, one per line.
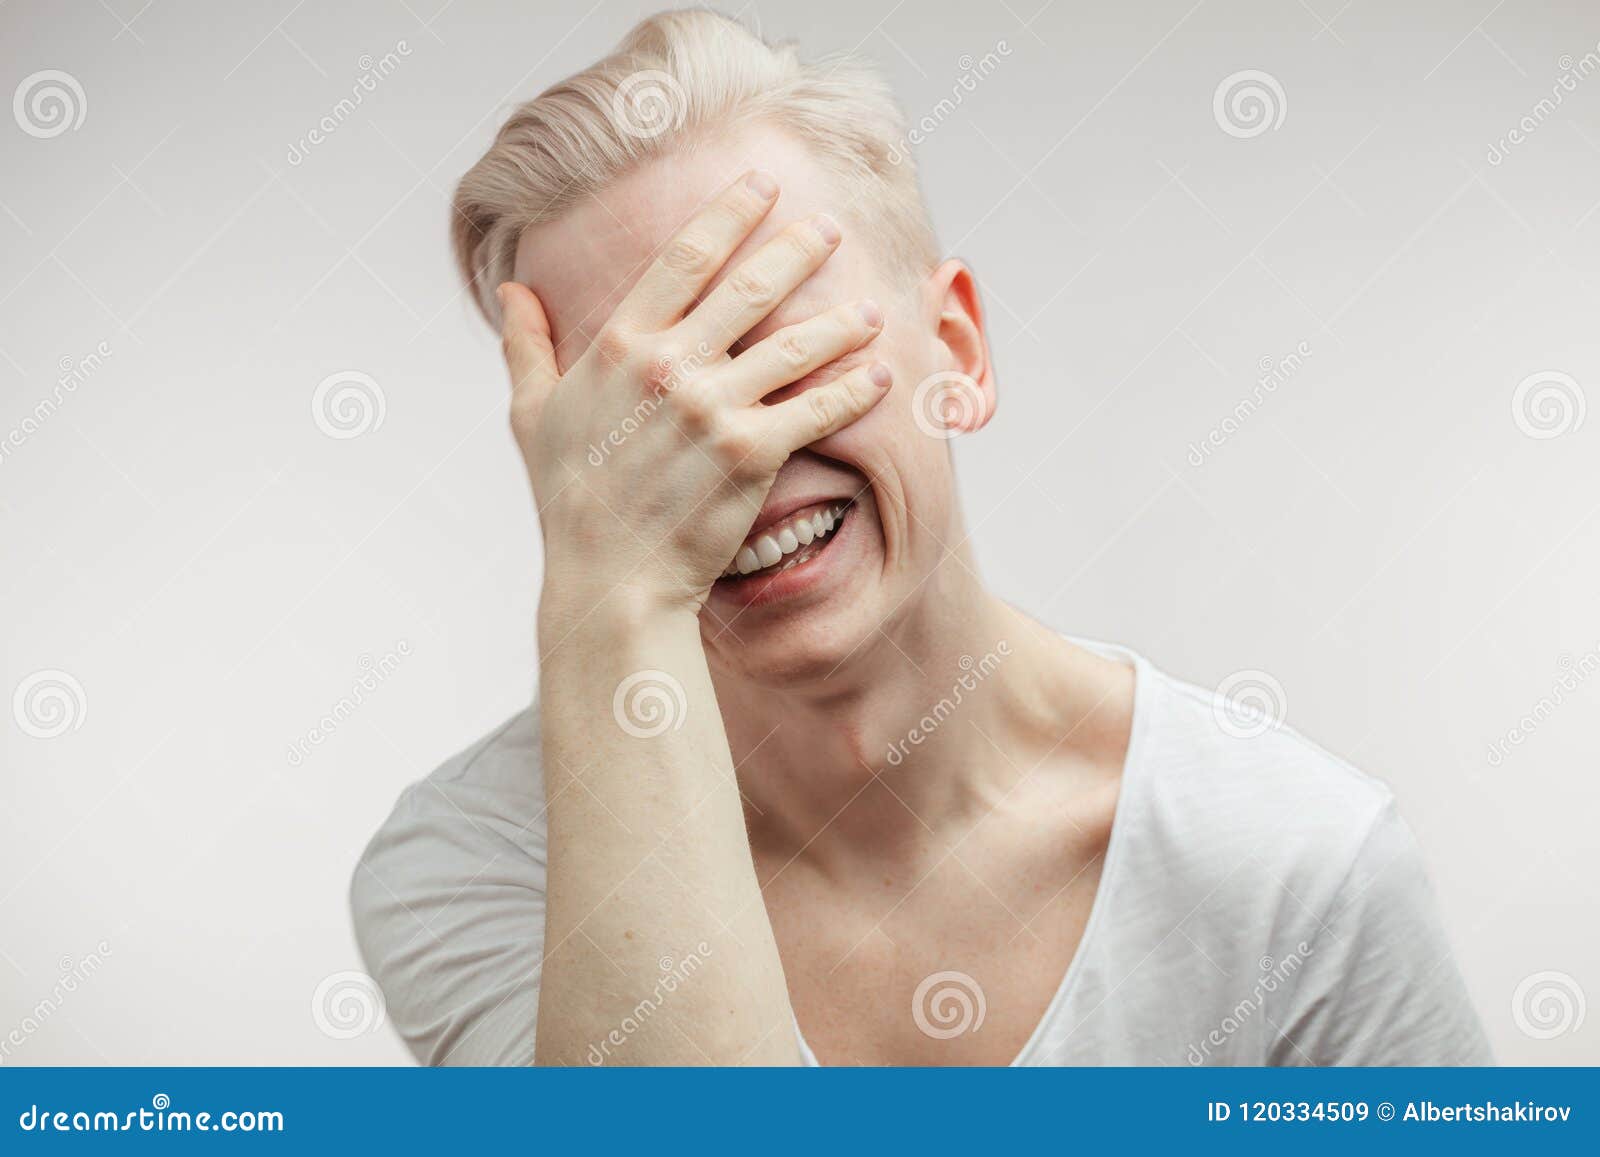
<point>649,865</point>
<point>655,929</point>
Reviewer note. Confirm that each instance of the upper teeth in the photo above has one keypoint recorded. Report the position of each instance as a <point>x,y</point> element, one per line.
<point>785,538</point>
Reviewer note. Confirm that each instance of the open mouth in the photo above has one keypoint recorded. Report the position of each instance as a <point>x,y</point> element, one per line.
<point>793,541</point>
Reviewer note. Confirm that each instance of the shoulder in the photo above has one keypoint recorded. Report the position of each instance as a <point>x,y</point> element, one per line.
<point>448,900</point>
<point>1259,844</point>
<point>487,797</point>
<point>1239,828</point>
<point>1228,780</point>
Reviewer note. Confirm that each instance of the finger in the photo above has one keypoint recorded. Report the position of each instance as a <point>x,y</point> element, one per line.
<point>697,252</point>
<point>525,339</point>
<point>761,282</point>
<point>829,408</point>
<point>791,353</point>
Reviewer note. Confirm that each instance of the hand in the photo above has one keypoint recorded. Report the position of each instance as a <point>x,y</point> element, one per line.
<point>651,456</point>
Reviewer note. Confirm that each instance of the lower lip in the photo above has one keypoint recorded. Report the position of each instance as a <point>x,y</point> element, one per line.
<point>762,589</point>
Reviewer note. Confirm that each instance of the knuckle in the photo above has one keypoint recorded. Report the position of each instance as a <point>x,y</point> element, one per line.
<point>664,370</point>
<point>694,411</point>
<point>728,215</point>
<point>689,254</point>
<point>793,349</point>
<point>803,240</point>
<point>733,442</point>
<point>753,287</point>
<point>613,346</point>
<point>523,416</point>
<point>826,406</point>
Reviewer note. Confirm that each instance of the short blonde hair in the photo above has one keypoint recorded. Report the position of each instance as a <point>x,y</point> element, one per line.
<point>680,77</point>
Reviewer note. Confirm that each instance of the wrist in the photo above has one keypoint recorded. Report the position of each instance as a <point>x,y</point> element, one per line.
<point>603,612</point>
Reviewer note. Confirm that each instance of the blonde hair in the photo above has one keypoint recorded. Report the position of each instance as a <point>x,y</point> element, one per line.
<point>677,78</point>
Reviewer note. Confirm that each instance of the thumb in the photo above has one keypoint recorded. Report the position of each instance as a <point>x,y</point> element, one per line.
<point>525,339</point>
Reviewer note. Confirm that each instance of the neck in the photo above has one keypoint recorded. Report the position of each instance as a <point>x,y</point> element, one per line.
<point>922,730</point>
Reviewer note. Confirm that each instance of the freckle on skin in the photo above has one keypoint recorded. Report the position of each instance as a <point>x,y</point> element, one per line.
<point>627,935</point>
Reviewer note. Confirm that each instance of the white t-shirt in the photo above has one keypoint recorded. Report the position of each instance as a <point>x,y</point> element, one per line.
<point>1261,903</point>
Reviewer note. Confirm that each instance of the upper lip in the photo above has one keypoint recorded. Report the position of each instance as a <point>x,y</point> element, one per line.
<point>775,510</point>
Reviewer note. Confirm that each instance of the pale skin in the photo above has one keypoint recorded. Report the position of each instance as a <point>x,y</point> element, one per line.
<point>780,350</point>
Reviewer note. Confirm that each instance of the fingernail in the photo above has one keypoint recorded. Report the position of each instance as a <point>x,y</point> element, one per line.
<point>762,183</point>
<point>827,227</point>
<point>870,314</point>
<point>880,375</point>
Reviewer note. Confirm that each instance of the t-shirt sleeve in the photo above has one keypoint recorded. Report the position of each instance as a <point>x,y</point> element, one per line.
<point>449,913</point>
<point>1381,986</point>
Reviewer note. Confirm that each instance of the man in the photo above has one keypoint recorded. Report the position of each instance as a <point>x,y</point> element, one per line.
<point>797,787</point>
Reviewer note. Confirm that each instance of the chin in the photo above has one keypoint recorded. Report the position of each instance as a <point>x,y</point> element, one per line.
<point>793,621</point>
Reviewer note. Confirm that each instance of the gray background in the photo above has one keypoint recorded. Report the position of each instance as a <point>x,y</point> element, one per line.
<point>184,540</point>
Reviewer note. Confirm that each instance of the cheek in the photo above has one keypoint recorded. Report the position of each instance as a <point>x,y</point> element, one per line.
<point>888,437</point>
<point>910,468</point>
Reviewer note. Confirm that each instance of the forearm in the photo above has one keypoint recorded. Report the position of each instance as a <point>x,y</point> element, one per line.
<point>648,857</point>
<point>654,915</point>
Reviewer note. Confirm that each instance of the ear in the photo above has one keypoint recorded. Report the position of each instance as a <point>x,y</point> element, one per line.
<point>955,315</point>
